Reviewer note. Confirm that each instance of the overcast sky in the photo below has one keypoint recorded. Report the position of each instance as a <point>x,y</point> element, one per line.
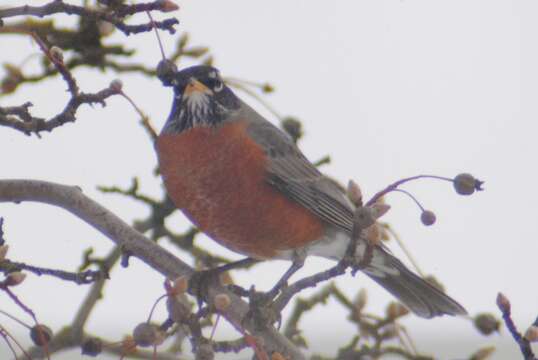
<point>388,88</point>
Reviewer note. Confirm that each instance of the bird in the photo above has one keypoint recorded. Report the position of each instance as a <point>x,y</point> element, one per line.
<point>245,183</point>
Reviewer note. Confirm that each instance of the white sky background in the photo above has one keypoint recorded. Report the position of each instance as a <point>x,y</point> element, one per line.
<point>389,89</point>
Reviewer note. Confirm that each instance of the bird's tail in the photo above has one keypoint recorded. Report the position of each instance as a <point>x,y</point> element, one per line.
<point>414,292</point>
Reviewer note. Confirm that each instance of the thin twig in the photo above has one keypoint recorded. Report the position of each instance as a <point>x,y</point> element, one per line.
<point>395,185</point>
<point>115,18</point>
<point>6,335</point>
<point>15,319</point>
<point>86,277</point>
<point>524,344</point>
<point>311,281</point>
<point>158,258</point>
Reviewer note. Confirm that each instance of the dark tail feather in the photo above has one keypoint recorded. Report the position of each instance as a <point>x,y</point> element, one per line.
<point>417,294</point>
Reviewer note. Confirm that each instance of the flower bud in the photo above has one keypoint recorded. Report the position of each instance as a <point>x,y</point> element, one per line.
<point>168,5</point>
<point>487,324</point>
<point>268,88</point>
<point>179,285</point>
<point>178,308</point>
<point>466,184</point>
<point>205,352</point>
<point>483,353</point>
<point>364,217</point>
<point>428,217</point>
<point>183,40</point>
<point>40,334</point>
<point>225,278</point>
<point>396,310</point>
<point>360,300</point>
<point>166,71</point>
<point>503,303</point>
<point>380,209</point>
<point>145,334</point>
<point>57,54</point>
<point>373,234</point>
<point>354,193</point>
<point>105,28</point>
<point>277,356</point>
<point>196,52</point>
<point>222,302</point>
<point>532,334</point>
<point>292,127</point>
<point>15,278</point>
<point>116,85</point>
<point>92,347</point>
<point>128,345</point>
<point>3,252</point>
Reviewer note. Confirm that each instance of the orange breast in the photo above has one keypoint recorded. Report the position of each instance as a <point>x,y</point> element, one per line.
<point>216,176</point>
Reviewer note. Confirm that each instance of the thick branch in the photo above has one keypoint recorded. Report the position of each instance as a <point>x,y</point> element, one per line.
<point>73,200</point>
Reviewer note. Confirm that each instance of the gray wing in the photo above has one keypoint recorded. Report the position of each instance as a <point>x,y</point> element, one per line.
<point>290,172</point>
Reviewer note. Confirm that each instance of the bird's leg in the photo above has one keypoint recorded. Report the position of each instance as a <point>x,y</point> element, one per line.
<point>297,264</point>
<point>234,265</point>
<point>201,280</point>
<point>261,304</point>
<point>261,297</point>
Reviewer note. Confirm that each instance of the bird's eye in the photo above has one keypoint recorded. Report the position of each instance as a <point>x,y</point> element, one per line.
<point>218,85</point>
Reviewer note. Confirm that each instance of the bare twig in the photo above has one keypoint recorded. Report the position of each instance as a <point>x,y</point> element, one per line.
<point>311,281</point>
<point>85,277</point>
<point>506,309</point>
<point>116,17</point>
<point>7,336</point>
<point>19,117</point>
<point>72,199</point>
<point>28,124</point>
<point>2,240</point>
<point>58,62</point>
<point>395,185</point>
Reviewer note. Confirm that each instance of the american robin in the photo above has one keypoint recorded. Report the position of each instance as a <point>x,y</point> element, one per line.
<point>245,184</point>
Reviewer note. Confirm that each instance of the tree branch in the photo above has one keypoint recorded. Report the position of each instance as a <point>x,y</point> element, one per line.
<point>506,309</point>
<point>19,117</point>
<point>115,17</point>
<point>85,277</point>
<point>73,200</point>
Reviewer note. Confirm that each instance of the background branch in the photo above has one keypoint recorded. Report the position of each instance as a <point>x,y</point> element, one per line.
<point>115,17</point>
<point>73,200</point>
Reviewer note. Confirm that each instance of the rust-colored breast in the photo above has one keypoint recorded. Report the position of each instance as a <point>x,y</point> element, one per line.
<point>216,176</point>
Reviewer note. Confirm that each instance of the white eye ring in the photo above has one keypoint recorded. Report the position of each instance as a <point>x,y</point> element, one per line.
<point>219,86</point>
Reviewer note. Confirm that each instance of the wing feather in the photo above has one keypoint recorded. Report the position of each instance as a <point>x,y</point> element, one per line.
<point>291,173</point>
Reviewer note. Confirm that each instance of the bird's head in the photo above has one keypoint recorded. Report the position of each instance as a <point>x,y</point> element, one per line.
<point>200,99</point>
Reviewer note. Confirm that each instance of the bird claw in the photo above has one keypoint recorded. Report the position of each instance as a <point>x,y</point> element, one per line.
<point>200,282</point>
<point>261,310</point>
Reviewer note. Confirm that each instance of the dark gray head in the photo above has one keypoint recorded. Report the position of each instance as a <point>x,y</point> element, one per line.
<point>200,99</point>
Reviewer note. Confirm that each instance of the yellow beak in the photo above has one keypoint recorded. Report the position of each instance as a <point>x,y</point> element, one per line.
<point>196,86</point>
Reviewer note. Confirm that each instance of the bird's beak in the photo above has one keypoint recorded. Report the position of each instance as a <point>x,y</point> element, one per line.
<point>196,86</point>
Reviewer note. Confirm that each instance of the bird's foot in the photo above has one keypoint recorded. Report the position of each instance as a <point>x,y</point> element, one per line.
<point>200,282</point>
<point>261,309</point>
